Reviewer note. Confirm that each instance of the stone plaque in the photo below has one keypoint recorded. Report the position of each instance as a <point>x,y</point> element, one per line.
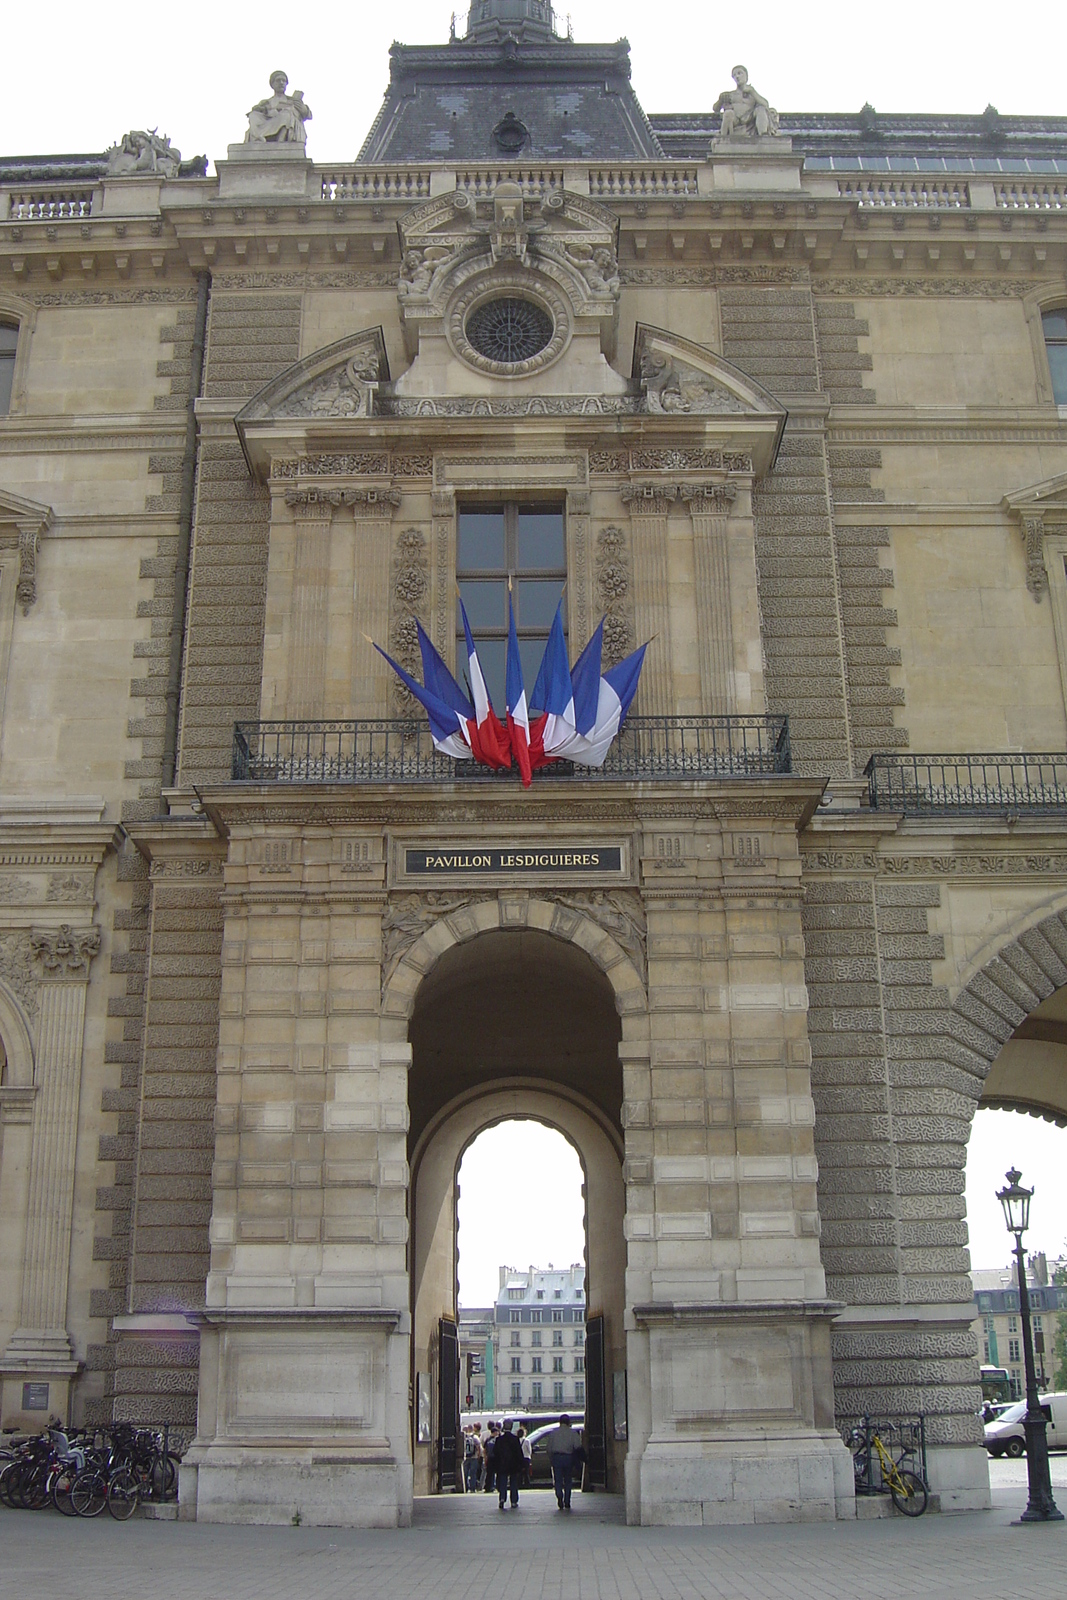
<point>35,1397</point>
<point>545,861</point>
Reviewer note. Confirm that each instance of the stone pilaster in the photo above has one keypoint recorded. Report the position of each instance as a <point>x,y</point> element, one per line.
<point>374,509</point>
<point>40,1347</point>
<point>650,506</point>
<point>313,516</point>
<point>709,507</point>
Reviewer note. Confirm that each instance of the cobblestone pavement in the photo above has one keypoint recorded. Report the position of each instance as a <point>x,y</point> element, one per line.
<point>464,1547</point>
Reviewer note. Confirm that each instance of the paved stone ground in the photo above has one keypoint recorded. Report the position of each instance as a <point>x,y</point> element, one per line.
<point>464,1547</point>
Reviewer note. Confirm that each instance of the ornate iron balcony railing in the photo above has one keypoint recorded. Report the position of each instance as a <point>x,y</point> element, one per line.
<point>387,750</point>
<point>968,785</point>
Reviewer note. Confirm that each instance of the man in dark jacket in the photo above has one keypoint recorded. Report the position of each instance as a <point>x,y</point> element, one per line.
<point>507,1458</point>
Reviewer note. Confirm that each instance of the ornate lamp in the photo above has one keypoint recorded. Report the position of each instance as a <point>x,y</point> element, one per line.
<point>1040,1507</point>
<point>1016,1202</point>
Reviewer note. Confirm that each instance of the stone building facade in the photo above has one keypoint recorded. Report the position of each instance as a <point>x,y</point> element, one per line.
<point>539,1319</point>
<point>792,387</point>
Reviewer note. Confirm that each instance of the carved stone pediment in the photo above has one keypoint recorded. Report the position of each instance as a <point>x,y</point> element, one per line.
<point>338,381</point>
<point>678,377</point>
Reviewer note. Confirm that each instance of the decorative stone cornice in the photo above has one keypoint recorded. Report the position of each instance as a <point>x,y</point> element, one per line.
<point>65,952</point>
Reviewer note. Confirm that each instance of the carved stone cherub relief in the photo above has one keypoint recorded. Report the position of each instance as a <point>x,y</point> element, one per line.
<point>669,386</point>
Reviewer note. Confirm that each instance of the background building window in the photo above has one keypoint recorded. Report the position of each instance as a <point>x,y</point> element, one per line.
<point>579,1393</point>
<point>9,338</point>
<point>1013,1350</point>
<point>557,1392</point>
<point>536,1364</point>
<point>535,1394</point>
<point>535,1338</point>
<point>557,1337</point>
<point>579,1363</point>
<point>557,1363</point>
<point>516,1338</point>
<point>516,1392</point>
<point>516,1363</point>
<point>1054,324</point>
<point>525,543</point>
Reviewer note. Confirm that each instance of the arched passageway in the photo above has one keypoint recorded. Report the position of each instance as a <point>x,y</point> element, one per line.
<point>511,1025</point>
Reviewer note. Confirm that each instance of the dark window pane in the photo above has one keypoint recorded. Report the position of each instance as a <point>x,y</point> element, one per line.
<point>486,603</point>
<point>480,542</point>
<point>1057,360</point>
<point>536,602</point>
<point>1055,324</point>
<point>541,543</point>
<point>9,338</point>
<point>530,653</point>
<point>7,373</point>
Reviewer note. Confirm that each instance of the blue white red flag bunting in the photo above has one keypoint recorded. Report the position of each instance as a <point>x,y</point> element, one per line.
<point>582,708</point>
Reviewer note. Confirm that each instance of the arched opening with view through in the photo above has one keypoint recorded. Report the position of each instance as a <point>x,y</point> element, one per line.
<point>516,1027</point>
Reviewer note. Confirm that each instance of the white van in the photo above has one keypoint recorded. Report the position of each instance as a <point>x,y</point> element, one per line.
<point>1004,1436</point>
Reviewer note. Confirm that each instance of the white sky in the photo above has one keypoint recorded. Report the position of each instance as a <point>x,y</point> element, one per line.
<point>521,1201</point>
<point>81,76</point>
<point>520,1205</point>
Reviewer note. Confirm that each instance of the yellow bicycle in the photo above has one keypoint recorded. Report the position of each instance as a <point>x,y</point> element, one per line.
<point>907,1489</point>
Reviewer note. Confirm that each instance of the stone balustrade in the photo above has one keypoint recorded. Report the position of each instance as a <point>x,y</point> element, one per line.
<point>918,193</point>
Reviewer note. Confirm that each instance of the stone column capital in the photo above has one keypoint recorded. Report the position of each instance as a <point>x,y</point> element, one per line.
<point>372,500</point>
<point>649,499</point>
<point>65,953</point>
<point>313,505</point>
<point>708,499</point>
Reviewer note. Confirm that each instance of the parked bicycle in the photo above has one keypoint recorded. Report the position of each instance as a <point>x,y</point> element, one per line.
<point>905,1487</point>
<point>81,1472</point>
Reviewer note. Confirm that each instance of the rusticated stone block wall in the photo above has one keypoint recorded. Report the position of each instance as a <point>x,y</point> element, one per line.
<point>251,338</point>
<point>893,1113</point>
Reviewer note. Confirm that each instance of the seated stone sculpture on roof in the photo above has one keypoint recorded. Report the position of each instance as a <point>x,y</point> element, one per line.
<point>745,113</point>
<point>280,118</point>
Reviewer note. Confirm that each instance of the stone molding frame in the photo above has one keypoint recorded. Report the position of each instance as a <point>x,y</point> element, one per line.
<point>22,523</point>
<point>13,308</point>
<point>1048,297</point>
<point>517,910</point>
<point>1040,512</point>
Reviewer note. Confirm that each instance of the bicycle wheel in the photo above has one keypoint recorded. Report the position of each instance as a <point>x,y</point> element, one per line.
<point>123,1495</point>
<point>36,1490</point>
<point>88,1493</point>
<point>61,1482</point>
<point>9,1477</point>
<point>912,1502</point>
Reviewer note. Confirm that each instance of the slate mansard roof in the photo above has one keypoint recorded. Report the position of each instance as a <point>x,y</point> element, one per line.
<point>574,102</point>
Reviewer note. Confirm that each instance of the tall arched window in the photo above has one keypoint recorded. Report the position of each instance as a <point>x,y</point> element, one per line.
<point>1054,326</point>
<point>9,338</point>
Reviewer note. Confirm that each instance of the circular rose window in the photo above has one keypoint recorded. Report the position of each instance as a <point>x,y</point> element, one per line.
<point>509,330</point>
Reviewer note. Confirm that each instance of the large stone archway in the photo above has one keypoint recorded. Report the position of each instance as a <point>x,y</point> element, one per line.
<point>1016,1009</point>
<point>434,1237</point>
<point>523,1022</point>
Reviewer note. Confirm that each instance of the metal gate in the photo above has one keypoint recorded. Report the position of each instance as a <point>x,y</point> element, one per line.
<point>447,1403</point>
<point>594,1436</point>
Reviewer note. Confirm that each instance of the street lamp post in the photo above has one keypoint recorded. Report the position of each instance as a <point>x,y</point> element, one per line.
<point>1040,1507</point>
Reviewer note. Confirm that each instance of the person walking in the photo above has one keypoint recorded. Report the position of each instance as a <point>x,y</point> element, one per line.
<point>507,1458</point>
<point>489,1454</point>
<point>527,1457</point>
<point>470,1460</point>
<point>561,1444</point>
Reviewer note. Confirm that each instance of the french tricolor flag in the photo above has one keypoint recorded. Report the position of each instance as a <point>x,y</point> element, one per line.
<point>517,712</point>
<point>449,723</point>
<point>585,707</point>
<point>488,737</point>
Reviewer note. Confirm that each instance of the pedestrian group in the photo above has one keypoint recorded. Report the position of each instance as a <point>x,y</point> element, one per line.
<point>502,1460</point>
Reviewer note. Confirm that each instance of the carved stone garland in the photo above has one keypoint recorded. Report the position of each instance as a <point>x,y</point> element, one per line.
<point>411,589</point>
<point>614,593</point>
